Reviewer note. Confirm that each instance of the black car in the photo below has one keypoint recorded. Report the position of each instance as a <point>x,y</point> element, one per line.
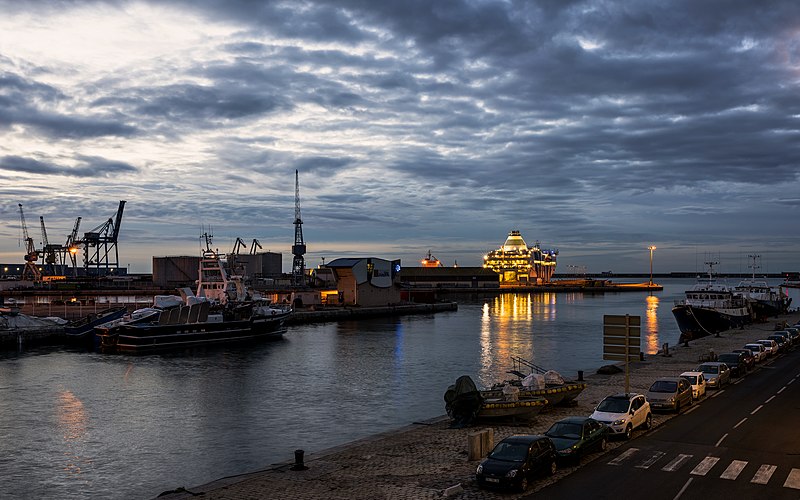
<point>735,361</point>
<point>749,359</point>
<point>575,436</point>
<point>516,460</point>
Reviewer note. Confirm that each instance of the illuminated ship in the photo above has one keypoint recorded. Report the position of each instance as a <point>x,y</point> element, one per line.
<point>516,262</point>
<point>430,261</point>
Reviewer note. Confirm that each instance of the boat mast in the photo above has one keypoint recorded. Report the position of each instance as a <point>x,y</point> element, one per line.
<point>755,266</point>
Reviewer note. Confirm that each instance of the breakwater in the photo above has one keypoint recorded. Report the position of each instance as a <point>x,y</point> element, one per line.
<point>346,313</point>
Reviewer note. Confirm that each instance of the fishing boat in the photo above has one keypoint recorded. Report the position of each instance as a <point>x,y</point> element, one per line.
<point>465,404</point>
<point>766,301</point>
<point>710,307</point>
<point>222,310</point>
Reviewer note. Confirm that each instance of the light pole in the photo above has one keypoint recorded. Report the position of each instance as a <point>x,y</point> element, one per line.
<point>651,248</point>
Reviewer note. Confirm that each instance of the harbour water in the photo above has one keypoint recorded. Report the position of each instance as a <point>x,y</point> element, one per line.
<point>78,424</point>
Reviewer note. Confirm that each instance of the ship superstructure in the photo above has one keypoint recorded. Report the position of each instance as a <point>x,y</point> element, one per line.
<point>516,262</point>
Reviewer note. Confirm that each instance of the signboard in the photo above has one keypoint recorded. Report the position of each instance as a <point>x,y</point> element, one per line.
<point>621,336</point>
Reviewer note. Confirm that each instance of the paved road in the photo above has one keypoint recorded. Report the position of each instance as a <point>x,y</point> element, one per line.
<point>742,441</point>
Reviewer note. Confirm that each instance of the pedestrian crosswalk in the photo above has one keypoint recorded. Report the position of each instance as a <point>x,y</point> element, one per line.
<point>703,466</point>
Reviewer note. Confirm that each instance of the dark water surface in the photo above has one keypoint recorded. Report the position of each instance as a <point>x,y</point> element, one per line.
<point>88,425</point>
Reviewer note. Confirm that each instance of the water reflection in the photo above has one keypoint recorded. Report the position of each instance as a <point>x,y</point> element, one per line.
<point>73,423</point>
<point>651,321</point>
<point>508,330</point>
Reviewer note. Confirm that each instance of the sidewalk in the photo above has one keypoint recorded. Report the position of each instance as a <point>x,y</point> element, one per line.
<point>428,460</point>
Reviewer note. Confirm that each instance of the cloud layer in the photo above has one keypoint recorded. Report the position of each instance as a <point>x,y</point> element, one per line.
<point>596,127</point>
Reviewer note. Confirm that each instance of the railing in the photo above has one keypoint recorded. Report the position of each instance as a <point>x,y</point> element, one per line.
<point>519,363</point>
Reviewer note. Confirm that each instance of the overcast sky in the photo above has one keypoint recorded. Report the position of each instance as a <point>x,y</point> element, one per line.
<point>596,127</point>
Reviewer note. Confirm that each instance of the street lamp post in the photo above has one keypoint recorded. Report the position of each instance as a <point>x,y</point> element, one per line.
<point>651,248</point>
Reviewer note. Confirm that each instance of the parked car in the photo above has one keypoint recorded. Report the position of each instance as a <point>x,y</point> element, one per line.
<point>575,436</point>
<point>735,362</point>
<point>749,359</point>
<point>516,461</point>
<point>794,334</point>
<point>759,351</point>
<point>782,341</point>
<point>698,382</point>
<point>669,393</point>
<point>717,373</point>
<point>770,345</point>
<point>623,413</point>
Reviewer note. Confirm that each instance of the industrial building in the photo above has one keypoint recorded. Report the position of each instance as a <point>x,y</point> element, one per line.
<point>178,271</point>
<point>449,277</point>
<point>367,281</point>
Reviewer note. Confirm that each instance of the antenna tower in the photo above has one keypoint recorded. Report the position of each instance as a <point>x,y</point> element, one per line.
<point>299,247</point>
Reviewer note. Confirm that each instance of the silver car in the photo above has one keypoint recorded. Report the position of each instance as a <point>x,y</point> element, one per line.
<point>717,373</point>
<point>758,350</point>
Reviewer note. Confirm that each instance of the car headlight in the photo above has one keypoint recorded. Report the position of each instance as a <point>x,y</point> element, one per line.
<point>566,451</point>
<point>512,473</point>
<point>618,422</point>
<point>671,400</point>
<point>479,470</point>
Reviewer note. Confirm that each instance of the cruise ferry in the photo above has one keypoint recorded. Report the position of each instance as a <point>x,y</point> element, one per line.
<point>516,262</point>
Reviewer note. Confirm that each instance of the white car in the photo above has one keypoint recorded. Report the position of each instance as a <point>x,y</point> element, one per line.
<point>698,382</point>
<point>623,413</point>
<point>758,350</point>
<point>770,345</point>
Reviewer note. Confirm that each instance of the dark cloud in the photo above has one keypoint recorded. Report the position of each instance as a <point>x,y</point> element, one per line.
<point>88,166</point>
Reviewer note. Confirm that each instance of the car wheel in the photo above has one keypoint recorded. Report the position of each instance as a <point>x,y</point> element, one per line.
<point>648,421</point>
<point>628,431</point>
<point>677,406</point>
<point>603,444</point>
<point>553,468</point>
<point>523,484</point>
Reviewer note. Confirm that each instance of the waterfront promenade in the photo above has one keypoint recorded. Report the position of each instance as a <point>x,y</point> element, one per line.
<point>428,460</point>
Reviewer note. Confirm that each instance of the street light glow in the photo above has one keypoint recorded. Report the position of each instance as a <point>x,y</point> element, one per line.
<point>651,248</point>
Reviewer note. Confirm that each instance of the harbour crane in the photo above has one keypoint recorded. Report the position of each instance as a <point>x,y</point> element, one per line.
<point>254,245</point>
<point>30,271</point>
<point>238,245</point>
<point>52,252</point>
<point>100,243</point>
<point>72,246</point>
<point>299,247</point>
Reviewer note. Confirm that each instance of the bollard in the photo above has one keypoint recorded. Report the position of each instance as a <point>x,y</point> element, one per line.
<point>580,375</point>
<point>298,461</point>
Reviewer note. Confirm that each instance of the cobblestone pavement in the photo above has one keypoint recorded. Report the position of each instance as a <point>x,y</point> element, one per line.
<point>429,460</point>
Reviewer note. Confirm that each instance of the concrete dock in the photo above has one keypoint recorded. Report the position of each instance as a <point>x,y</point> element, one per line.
<point>428,460</point>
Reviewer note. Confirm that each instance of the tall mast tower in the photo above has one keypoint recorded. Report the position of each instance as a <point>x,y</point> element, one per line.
<point>299,247</point>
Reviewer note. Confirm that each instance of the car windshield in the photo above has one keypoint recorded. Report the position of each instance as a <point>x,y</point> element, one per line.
<point>664,386</point>
<point>510,452</point>
<point>691,378</point>
<point>565,430</point>
<point>754,347</point>
<point>709,369</point>
<point>613,405</point>
<point>729,358</point>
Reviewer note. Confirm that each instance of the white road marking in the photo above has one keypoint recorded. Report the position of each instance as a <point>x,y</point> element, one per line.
<point>720,440</point>
<point>676,463</point>
<point>770,399</point>
<point>740,422</point>
<point>705,466</point>
<point>683,489</point>
<point>624,456</point>
<point>719,391</point>
<point>763,474</point>
<point>695,406</point>
<point>793,481</point>
<point>733,470</point>
<point>782,389</point>
<point>650,461</point>
<point>754,411</point>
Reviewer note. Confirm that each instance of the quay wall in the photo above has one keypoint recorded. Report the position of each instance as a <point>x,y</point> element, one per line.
<point>345,313</point>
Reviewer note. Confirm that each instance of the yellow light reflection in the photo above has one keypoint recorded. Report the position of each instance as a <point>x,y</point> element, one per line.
<point>651,320</point>
<point>72,421</point>
<point>507,331</point>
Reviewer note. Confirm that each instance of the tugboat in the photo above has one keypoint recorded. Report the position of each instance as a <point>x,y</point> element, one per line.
<point>709,308</point>
<point>223,310</point>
